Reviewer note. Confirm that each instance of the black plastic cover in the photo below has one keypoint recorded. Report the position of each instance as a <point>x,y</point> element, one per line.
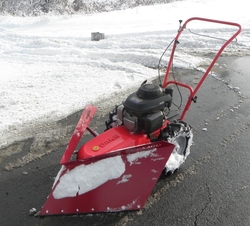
<point>147,99</point>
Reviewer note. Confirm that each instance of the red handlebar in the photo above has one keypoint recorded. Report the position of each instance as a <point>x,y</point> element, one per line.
<point>191,90</point>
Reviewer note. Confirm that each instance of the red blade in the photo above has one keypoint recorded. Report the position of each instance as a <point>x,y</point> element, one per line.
<point>81,126</point>
<point>117,181</point>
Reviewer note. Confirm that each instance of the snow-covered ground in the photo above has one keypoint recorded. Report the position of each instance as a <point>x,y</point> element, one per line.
<point>51,68</point>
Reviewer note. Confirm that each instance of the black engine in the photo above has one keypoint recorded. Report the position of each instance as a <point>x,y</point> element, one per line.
<point>144,109</point>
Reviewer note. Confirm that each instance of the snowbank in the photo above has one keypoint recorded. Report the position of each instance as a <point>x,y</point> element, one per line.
<point>50,68</point>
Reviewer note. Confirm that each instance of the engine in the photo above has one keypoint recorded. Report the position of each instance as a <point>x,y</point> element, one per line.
<point>143,110</point>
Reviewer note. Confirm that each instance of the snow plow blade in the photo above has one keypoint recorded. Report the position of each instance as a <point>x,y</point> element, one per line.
<point>117,181</point>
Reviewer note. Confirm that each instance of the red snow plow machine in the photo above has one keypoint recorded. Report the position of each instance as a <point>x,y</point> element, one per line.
<point>117,169</point>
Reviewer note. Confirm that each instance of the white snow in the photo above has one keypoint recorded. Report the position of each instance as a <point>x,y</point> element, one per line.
<point>50,67</point>
<point>176,159</point>
<point>133,158</point>
<point>84,178</point>
<point>125,178</point>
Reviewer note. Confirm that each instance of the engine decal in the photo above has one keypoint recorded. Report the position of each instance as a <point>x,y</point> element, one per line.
<point>106,142</point>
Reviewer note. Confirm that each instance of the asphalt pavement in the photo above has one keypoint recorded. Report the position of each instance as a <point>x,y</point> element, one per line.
<point>211,188</point>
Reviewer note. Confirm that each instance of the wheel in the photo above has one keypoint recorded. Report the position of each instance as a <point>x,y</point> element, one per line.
<point>182,139</point>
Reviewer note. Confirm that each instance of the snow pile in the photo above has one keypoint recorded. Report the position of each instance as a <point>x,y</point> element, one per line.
<point>50,68</point>
<point>41,7</point>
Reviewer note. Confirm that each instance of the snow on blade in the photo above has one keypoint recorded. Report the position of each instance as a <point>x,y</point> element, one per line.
<point>125,178</point>
<point>125,207</point>
<point>85,178</point>
<point>132,158</point>
<point>58,175</point>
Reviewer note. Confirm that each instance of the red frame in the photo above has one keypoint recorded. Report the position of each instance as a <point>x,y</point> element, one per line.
<point>191,90</point>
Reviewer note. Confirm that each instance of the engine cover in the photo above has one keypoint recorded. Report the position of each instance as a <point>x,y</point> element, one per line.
<point>147,99</point>
<point>143,110</point>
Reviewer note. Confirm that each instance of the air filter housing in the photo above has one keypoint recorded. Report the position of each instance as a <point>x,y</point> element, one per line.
<point>147,99</point>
